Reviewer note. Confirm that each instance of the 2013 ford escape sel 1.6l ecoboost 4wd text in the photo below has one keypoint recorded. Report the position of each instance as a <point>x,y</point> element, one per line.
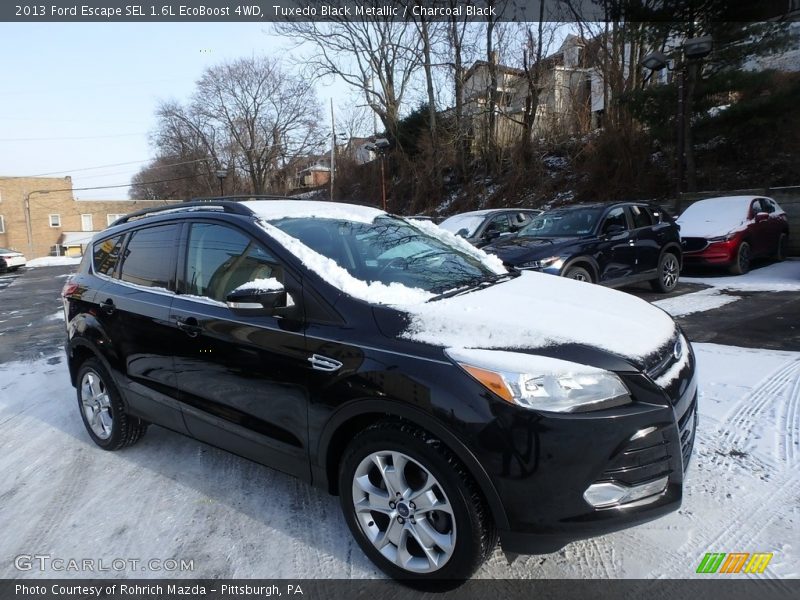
<point>446,400</point>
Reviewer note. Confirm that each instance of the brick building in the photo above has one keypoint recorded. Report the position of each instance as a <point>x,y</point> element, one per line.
<point>40,217</point>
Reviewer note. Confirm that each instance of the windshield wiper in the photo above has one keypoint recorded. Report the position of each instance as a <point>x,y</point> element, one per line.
<point>476,284</point>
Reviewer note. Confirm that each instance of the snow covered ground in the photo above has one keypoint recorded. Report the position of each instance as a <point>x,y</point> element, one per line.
<point>775,277</point>
<point>172,497</point>
<point>53,261</point>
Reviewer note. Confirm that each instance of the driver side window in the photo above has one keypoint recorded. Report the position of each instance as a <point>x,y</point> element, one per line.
<point>615,217</point>
<point>498,225</point>
<point>220,259</point>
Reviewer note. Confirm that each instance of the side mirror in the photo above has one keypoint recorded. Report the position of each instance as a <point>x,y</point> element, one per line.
<point>614,230</point>
<point>463,232</point>
<point>253,298</point>
<point>762,216</point>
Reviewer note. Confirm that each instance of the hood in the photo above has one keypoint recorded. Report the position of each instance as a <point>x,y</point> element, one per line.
<point>522,249</point>
<point>536,310</point>
<point>709,228</point>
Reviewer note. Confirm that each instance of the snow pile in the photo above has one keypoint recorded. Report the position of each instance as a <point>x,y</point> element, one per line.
<point>54,261</point>
<point>777,277</point>
<point>687,304</point>
<point>271,210</point>
<point>266,285</point>
<point>714,217</point>
<point>537,310</point>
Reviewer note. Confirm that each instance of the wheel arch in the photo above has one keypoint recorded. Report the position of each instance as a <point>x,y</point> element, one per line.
<point>673,248</point>
<point>587,262</point>
<point>358,415</point>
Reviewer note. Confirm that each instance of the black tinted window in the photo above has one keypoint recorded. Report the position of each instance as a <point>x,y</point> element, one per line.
<point>150,256</point>
<point>615,217</point>
<point>498,224</point>
<point>641,217</point>
<point>220,259</point>
<point>105,255</point>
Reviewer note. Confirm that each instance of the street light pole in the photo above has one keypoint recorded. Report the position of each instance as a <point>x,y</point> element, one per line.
<point>222,173</point>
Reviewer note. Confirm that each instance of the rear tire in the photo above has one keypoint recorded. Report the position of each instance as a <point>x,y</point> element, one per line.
<point>668,273</point>
<point>578,274</point>
<point>102,409</point>
<point>426,523</point>
<point>744,256</point>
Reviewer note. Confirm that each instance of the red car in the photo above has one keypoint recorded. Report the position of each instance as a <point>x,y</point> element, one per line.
<point>732,231</point>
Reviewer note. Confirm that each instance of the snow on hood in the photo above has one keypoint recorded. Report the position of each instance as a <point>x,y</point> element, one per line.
<point>715,217</point>
<point>537,310</point>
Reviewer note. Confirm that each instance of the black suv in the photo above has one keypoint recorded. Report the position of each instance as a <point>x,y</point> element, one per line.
<point>612,244</point>
<point>447,401</point>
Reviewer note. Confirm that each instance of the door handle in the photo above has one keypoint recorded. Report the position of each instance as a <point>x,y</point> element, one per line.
<point>189,326</point>
<point>323,363</point>
<point>107,306</point>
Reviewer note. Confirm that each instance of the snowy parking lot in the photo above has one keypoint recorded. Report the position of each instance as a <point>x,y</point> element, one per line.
<point>170,497</point>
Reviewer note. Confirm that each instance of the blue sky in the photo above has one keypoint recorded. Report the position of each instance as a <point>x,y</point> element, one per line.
<point>81,95</point>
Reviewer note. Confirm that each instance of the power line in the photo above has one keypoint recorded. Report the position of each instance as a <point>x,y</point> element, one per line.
<point>109,187</point>
<point>133,162</point>
<point>56,139</point>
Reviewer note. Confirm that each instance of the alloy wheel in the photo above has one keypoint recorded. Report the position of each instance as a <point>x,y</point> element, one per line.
<point>669,275</point>
<point>96,405</point>
<point>403,511</point>
<point>744,258</point>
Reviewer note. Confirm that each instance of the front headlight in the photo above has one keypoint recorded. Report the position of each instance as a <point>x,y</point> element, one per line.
<point>542,383</point>
<point>722,238</point>
<point>542,263</point>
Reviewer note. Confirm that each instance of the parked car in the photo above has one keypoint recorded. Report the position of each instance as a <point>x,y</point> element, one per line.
<point>612,244</point>
<point>481,227</point>
<point>11,260</point>
<point>446,400</point>
<point>731,231</point>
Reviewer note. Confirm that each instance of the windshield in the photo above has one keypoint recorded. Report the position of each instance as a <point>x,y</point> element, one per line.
<point>388,250</point>
<point>458,222</point>
<point>563,223</point>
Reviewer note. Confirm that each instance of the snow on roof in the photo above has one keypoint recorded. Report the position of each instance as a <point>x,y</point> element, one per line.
<point>713,217</point>
<point>537,310</point>
<point>271,210</point>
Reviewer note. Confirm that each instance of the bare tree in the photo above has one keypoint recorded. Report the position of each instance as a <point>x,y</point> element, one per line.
<point>249,114</point>
<point>375,56</point>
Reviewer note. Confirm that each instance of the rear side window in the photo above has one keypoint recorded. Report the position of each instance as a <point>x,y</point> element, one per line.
<point>150,256</point>
<point>641,217</point>
<point>106,254</point>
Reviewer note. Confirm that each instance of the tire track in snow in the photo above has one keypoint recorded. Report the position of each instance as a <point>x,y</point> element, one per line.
<point>789,424</point>
<point>739,428</point>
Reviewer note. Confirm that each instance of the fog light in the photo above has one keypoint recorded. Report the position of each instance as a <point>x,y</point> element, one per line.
<point>602,495</point>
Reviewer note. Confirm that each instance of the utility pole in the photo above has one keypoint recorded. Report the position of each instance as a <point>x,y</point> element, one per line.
<point>333,149</point>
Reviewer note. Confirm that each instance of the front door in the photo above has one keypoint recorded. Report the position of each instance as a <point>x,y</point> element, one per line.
<point>616,247</point>
<point>242,379</point>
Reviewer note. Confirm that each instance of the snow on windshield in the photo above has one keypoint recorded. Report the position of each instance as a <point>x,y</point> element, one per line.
<point>715,216</point>
<point>488,260</point>
<point>537,310</point>
<point>458,222</point>
<point>375,291</point>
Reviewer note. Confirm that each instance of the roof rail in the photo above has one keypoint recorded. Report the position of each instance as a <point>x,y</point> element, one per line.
<point>194,205</point>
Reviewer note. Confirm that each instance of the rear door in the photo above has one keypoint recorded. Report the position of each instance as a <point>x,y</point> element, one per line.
<point>133,308</point>
<point>761,233</point>
<point>616,256</point>
<point>647,238</point>
<point>242,378</point>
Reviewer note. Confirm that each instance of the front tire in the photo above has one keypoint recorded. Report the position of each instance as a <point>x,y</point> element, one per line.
<point>668,272</point>
<point>413,508</point>
<point>783,247</point>
<point>744,256</point>
<point>102,409</point>
<point>578,274</point>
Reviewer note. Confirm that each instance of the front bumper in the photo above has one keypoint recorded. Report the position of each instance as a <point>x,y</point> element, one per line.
<point>715,254</point>
<point>556,458</point>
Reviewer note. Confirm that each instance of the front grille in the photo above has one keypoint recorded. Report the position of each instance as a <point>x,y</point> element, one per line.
<point>687,425</point>
<point>640,460</point>
<point>693,244</point>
